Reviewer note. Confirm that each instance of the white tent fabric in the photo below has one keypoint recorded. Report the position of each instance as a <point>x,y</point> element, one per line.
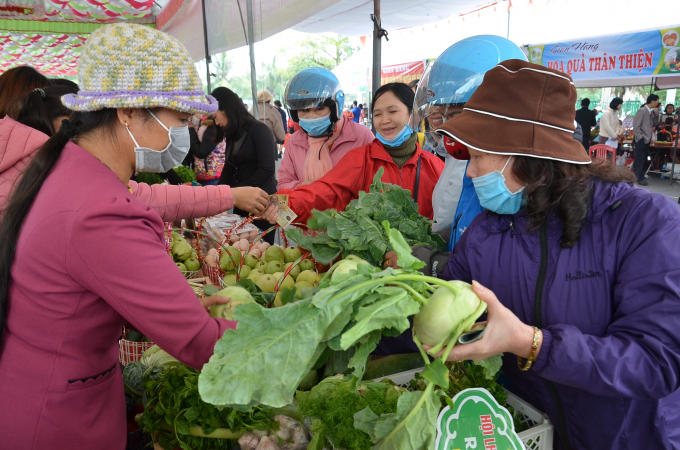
<point>352,17</point>
<point>345,17</point>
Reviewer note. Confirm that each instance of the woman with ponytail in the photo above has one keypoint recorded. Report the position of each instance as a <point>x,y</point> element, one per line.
<point>39,115</point>
<point>80,256</point>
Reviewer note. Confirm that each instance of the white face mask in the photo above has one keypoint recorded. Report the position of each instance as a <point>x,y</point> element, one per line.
<point>161,161</point>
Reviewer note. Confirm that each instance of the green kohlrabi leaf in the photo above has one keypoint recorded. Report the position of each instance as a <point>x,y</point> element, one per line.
<point>391,311</point>
<point>420,430</point>
<point>266,357</point>
<point>364,348</point>
<point>405,259</point>
<point>437,373</point>
<point>490,365</point>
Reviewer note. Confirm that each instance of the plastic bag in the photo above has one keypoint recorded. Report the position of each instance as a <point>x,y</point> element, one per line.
<point>447,193</point>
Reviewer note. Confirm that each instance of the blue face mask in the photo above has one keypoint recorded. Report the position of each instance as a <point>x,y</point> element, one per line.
<point>316,127</point>
<point>494,195</point>
<point>397,140</point>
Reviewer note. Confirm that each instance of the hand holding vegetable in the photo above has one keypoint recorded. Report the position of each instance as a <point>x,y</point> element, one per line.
<point>207,302</point>
<point>251,199</point>
<point>504,332</point>
<point>391,260</point>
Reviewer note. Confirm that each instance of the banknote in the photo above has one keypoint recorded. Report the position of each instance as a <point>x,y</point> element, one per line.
<point>285,215</point>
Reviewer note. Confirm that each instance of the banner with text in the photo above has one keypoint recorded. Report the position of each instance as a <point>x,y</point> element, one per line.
<point>648,53</point>
<point>402,73</point>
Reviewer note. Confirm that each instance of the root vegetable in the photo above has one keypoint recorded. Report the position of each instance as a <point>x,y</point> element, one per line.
<point>286,422</point>
<point>284,434</point>
<point>212,251</point>
<point>260,433</point>
<point>257,252</point>
<point>267,443</point>
<point>210,260</point>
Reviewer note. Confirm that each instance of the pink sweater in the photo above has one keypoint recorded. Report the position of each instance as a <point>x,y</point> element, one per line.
<point>291,170</point>
<point>88,260</point>
<point>18,144</point>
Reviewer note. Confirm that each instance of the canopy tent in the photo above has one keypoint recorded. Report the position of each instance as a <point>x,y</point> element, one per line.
<point>49,34</point>
<point>633,59</point>
<point>226,23</point>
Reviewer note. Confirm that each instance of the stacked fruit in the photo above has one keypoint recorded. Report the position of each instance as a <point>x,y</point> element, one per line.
<point>183,254</point>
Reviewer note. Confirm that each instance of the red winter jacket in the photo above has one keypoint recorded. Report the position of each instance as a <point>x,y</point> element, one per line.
<point>355,173</point>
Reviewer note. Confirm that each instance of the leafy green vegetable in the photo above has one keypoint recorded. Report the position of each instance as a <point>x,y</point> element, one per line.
<point>133,378</point>
<point>413,427</point>
<point>491,366</point>
<point>185,173</point>
<point>174,409</point>
<point>357,230</point>
<point>334,404</point>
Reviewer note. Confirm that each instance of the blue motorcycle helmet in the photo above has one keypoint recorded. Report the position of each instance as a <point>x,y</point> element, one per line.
<point>449,82</point>
<point>312,88</point>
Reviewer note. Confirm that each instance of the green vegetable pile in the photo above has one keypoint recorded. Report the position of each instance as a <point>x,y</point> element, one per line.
<point>265,359</point>
<point>174,409</point>
<point>333,404</point>
<point>357,230</point>
<point>185,173</point>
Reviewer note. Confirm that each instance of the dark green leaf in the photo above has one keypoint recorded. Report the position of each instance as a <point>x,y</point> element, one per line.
<point>437,373</point>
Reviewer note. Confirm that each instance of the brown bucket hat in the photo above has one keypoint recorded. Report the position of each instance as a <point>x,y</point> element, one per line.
<point>520,109</point>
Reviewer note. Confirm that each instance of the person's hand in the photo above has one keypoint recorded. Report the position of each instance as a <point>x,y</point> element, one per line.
<point>251,199</point>
<point>391,260</point>
<point>505,333</point>
<point>270,214</point>
<point>207,302</point>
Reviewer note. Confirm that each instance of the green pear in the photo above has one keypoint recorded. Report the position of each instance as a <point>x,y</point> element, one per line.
<point>181,251</point>
<point>273,267</point>
<point>303,289</point>
<point>226,262</point>
<point>294,272</point>
<point>192,264</point>
<point>245,271</point>
<point>311,277</point>
<point>291,254</point>
<point>230,280</point>
<point>181,266</point>
<point>274,253</point>
<point>251,260</point>
<point>254,275</point>
<point>306,264</point>
<point>261,265</point>
<point>267,283</point>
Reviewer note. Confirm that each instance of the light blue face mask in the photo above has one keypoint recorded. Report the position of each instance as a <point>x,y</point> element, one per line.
<point>494,195</point>
<point>316,127</point>
<point>397,140</point>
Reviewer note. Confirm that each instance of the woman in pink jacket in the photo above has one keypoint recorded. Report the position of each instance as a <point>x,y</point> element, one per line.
<point>40,113</point>
<point>315,100</point>
<point>80,255</point>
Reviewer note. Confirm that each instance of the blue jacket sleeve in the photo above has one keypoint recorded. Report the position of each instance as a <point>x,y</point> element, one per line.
<point>639,355</point>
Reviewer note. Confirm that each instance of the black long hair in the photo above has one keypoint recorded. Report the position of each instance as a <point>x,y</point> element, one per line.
<point>237,114</point>
<point>29,186</point>
<point>17,82</point>
<point>400,90</point>
<point>41,107</point>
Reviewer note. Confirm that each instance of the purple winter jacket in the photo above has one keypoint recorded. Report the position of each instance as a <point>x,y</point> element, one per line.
<point>609,370</point>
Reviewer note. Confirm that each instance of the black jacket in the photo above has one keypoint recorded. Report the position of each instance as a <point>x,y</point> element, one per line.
<point>587,120</point>
<point>254,163</point>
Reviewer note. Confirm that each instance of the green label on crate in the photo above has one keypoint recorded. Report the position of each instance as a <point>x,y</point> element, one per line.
<point>476,421</point>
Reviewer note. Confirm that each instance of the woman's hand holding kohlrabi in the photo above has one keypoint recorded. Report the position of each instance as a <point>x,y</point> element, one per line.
<point>505,333</point>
